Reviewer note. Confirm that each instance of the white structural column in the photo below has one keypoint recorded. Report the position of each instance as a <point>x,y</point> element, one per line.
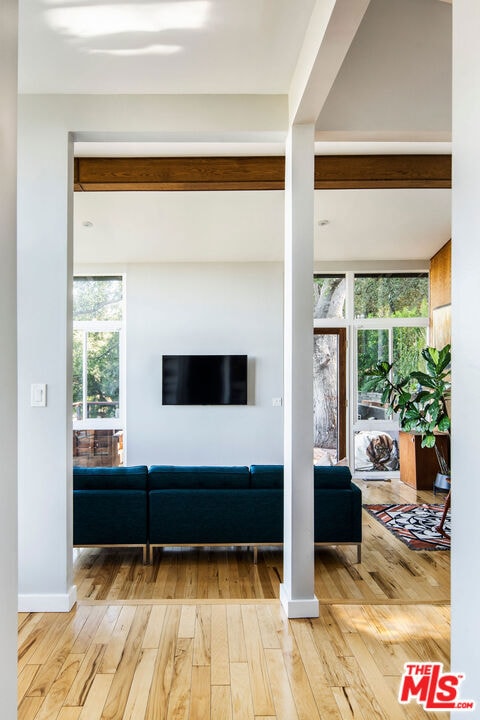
<point>331,29</point>
<point>465,351</point>
<point>44,356</point>
<point>297,591</point>
<point>8,355</point>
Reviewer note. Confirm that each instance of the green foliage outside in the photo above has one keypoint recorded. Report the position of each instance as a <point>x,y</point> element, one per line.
<point>102,372</point>
<point>391,296</point>
<point>425,410</point>
<point>371,346</point>
<point>97,298</point>
<point>408,343</point>
<point>77,366</point>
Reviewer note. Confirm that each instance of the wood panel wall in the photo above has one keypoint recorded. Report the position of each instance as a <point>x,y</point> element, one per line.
<point>440,279</point>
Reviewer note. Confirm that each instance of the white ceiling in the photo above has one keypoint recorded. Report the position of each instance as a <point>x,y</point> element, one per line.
<point>363,225</point>
<point>397,75</point>
<point>168,46</point>
<point>394,85</point>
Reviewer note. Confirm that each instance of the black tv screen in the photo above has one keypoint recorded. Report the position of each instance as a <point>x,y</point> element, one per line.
<point>204,380</point>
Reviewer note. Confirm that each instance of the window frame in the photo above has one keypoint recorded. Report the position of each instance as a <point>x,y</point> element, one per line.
<point>352,325</point>
<point>88,326</point>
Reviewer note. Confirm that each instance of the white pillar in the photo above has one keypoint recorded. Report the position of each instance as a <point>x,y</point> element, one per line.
<point>297,591</point>
<point>465,349</point>
<point>45,195</point>
<point>8,358</point>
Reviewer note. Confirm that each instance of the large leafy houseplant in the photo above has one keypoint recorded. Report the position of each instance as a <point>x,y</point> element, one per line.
<point>425,410</point>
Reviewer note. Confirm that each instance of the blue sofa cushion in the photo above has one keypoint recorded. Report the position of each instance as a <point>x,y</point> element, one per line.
<point>224,516</point>
<point>266,476</point>
<point>325,477</point>
<point>198,477</point>
<point>110,478</point>
<point>335,477</point>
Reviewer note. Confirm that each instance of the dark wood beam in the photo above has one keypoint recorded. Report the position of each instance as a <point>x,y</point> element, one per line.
<point>332,172</point>
<point>181,173</point>
<point>340,172</point>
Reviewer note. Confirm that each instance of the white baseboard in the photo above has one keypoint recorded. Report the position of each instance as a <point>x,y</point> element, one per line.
<point>303,608</point>
<point>48,602</point>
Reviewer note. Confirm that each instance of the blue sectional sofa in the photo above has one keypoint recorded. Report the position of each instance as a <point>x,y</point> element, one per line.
<point>176,505</point>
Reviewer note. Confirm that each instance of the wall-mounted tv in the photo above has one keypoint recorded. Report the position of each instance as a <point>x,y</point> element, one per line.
<point>204,380</point>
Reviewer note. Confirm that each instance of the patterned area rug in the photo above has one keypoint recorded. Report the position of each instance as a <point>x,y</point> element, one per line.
<point>414,525</point>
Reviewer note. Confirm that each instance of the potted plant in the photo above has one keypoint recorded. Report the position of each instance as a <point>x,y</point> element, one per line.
<point>425,409</point>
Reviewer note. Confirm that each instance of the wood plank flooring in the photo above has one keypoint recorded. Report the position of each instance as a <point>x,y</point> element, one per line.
<point>201,635</point>
<point>389,571</point>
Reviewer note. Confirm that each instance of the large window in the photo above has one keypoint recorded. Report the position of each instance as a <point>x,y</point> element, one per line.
<point>97,370</point>
<point>386,318</point>
<point>96,374</point>
<point>390,320</point>
<point>391,295</point>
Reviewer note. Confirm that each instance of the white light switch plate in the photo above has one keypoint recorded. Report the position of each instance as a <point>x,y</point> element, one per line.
<point>38,395</point>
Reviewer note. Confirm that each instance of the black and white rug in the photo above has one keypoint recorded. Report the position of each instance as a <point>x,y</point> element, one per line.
<point>414,525</point>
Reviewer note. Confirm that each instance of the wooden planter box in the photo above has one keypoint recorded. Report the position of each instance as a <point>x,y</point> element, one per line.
<point>419,466</point>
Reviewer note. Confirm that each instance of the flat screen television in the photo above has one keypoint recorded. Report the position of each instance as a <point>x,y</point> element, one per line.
<point>204,380</point>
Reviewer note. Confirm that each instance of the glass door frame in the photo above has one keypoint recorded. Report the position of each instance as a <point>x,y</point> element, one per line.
<point>342,403</point>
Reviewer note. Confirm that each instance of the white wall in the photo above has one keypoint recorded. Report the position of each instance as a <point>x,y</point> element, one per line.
<point>8,406</point>
<point>466,349</point>
<point>204,308</point>
<point>44,275</point>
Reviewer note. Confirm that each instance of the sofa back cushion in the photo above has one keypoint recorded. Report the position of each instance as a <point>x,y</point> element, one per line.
<point>110,478</point>
<point>266,476</point>
<point>325,477</point>
<point>336,477</point>
<point>200,477</point>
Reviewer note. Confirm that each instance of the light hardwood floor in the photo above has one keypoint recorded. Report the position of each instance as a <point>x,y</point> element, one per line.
<point>200,634</point>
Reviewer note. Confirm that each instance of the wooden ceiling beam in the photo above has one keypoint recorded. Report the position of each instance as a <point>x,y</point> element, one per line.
<point>332,172</point>
<point>339,172</point>
<point>181,173</point>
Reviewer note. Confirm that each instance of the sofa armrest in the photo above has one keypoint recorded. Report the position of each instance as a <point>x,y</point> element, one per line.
<point>109,517</point>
